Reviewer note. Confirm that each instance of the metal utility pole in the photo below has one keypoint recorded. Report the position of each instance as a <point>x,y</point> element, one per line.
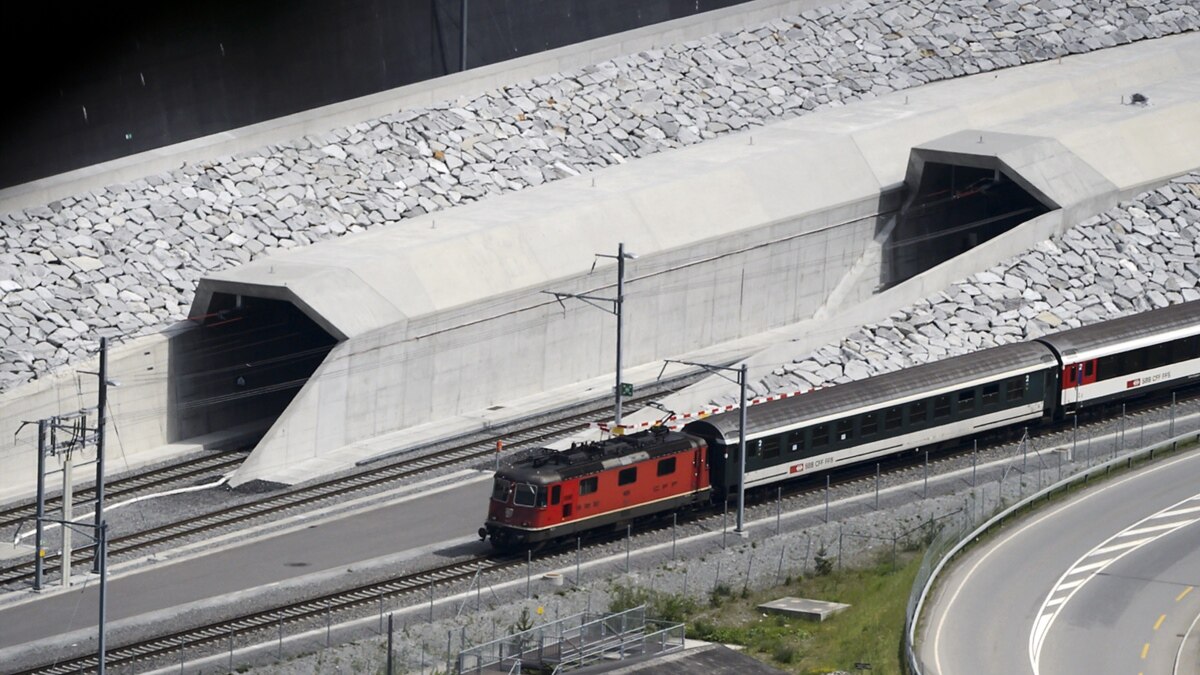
<point>41,507</point>
<point>618,304</point>
<point>101,403</point>
<point>740,380</point>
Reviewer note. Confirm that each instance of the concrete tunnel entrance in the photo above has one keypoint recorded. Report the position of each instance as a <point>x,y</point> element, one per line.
<point>242,365</point>
<point>954,209</point>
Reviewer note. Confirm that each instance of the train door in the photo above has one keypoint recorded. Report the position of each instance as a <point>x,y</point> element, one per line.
<point>568,500</point>
<point>1075,377</point>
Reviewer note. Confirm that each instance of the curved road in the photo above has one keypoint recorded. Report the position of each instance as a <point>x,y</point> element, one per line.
<point>1100,584</point>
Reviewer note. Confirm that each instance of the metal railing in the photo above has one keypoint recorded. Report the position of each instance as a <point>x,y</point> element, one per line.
<point>573,642</point>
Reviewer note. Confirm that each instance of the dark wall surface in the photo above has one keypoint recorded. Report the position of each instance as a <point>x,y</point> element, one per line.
<point>89,82</point>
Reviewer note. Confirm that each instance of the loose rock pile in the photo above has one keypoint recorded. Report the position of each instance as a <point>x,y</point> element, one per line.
<point>1141,255</point>
<point>126,259</point>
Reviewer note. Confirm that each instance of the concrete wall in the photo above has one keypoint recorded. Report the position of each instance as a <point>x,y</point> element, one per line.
<point>137,429</point>
<point>676,301</point>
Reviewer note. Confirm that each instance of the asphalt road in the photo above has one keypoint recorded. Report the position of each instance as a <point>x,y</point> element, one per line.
<point>1079,587</point>
<point>414,526</point>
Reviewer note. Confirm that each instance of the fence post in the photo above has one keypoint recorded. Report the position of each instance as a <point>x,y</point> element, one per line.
<point>778,510</point>
<point>974,463</point>
<point>674,522</point>
<point>826,498</point>
<point>528,573</point>
<point>628,536</point>
<point>430,603</point>
<point>390,665</point>
<point>231,649</point>
<point>779,570</point>
<point>925,494</point>
<point>876,486</point>
<point>578,554</point>
<point>839,555</point>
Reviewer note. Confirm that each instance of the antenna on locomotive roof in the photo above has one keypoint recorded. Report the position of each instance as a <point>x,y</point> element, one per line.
<point>667,415</point>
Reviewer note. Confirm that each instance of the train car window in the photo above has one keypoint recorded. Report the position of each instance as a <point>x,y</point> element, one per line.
<point>555,494</point>
<point>1132,362</point>
<point>1158,356</point>
<point>1069,376</point>
<point>845,430</point>
<point>941,406</point>
<point>588,485</point>
<point>525,495</point>
<point>754,448</point>
<point>917,412</point>
<point>870,424</point>
<point>1186,349</point>
<point>1014,390</point>
<point>820,436</point>
<point>666,467</point>
<point>627,476</point>
<point>1089,368</point>
<point>1106,367</point>
<point>795,441</point>
<point>991,394</point>
<point>966,400</point>
<point>893,418</point>
<point>769,447</point>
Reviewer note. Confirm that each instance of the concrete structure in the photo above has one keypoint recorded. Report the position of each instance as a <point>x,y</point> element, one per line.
<point>445,314</point>
<point>703,213</point>
<point>804,608</point>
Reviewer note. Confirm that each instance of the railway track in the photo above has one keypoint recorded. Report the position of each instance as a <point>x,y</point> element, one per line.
<point>373,476</point>
<point>249,625</point>
<point>133,485</point>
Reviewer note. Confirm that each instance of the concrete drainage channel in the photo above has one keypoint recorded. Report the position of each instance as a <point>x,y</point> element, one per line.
<point>468,608</point>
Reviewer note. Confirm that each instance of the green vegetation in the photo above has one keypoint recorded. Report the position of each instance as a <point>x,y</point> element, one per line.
<point>870,631</point>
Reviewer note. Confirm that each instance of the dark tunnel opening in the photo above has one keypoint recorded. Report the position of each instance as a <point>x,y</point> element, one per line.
<point>955,209</point>
<point>242,366</point>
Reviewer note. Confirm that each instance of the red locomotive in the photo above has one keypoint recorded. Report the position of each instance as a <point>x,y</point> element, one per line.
<point>606,483</point>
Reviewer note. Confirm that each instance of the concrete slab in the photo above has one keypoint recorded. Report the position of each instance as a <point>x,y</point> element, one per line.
<point>804,608</point>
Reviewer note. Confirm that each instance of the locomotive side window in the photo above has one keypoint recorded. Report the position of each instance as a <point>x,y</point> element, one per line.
<point>991,394</point>
<point>941,406</point>
<point>966,400</point>
<point>500,489</point>
<point>541,497</point>
<point>893,418</point>
<point>627,476</point>
<point>870,424</point>
<point>525,495</point>
<point>666,467</point>
<point>588,485</point>
<point>555,494</point>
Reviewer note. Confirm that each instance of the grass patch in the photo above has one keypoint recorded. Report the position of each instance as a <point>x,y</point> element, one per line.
<point>870,631</point>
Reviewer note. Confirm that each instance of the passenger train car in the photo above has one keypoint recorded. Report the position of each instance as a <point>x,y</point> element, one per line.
<point>554,494</point>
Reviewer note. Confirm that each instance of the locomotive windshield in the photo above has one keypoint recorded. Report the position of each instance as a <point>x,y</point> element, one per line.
<point>500,489</point>
<point>525,495</point>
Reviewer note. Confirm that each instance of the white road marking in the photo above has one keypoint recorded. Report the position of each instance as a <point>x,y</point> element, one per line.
<point>1055,602</point>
